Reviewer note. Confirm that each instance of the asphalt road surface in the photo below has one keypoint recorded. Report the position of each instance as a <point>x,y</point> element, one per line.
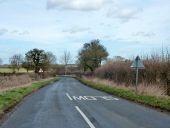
<point>70,104</point>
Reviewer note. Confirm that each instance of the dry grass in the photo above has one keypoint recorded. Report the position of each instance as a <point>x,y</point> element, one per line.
<point>24,85</point>
<point>14,81</point>
<point>150,90</point>
<point>161,102</point>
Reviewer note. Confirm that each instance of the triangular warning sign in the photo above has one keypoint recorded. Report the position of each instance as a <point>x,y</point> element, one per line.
<point>137,64</point>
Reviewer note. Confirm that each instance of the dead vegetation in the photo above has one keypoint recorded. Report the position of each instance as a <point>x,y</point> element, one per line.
<point>153,80</point>
<point>150,90</point>
<point>11,81</point>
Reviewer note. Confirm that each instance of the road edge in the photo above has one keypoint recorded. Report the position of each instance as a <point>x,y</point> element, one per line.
<point>131,99</point>
<point>11,106</point>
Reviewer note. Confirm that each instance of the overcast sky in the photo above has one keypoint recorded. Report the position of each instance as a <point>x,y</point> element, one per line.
<point>124,27</point>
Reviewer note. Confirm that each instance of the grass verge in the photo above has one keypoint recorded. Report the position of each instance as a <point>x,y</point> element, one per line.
<point>152,101</point>
<point>10,98</point>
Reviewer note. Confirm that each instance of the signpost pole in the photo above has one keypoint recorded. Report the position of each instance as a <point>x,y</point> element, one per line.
<point>137,72</point>
<point>137,64</point>
<point>40,72</point>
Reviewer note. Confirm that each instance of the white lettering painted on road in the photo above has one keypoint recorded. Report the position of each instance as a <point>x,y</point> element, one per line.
<point>85,117</point>
<point>90,97</point>
<point>109,98</point>
<point>69,96</point>
<point>116,99</point>
<point>79,98</point>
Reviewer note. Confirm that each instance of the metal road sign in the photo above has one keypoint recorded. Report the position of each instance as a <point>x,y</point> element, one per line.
<point>137,63</point>
<point>40,70</point>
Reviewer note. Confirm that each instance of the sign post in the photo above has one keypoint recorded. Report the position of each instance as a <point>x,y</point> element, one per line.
<point>137,64</point>
<point>40,72</point>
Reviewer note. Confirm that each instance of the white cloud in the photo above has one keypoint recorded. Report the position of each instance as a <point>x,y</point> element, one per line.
<point>75,30</point>
<point>15,32</point>
<point>57,29</point>
<point>82,5</point>
<point>124,14</point>
<point>24,33</point>
<point>3,31</point>
<point>144,34</point>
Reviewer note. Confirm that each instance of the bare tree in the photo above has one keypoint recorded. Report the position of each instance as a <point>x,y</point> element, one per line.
<point>65,59</point>
<point>27,65</point>
<point>51,58</point>
<point>16,61</point>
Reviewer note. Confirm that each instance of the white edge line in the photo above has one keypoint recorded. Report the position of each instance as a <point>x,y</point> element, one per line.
<point>69,96</point>
<point>85,117</point>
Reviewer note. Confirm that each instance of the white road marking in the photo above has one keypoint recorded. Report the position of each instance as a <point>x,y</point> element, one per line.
<point>93,98</point>
<point>90,97</point>
<point>108,98</point>
<point>69,96</point>
<point>116,98</point>
<point>85,117</point>
<point>79,98</point>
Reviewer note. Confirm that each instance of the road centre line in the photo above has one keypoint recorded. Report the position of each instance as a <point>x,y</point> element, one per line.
<point>85,117</point>
<point>69,96</point>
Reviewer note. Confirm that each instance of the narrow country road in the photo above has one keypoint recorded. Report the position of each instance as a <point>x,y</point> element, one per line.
<point>69,104</point>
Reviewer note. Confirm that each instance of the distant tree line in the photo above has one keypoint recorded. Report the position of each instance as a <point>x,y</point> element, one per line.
<point>34,59</point>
